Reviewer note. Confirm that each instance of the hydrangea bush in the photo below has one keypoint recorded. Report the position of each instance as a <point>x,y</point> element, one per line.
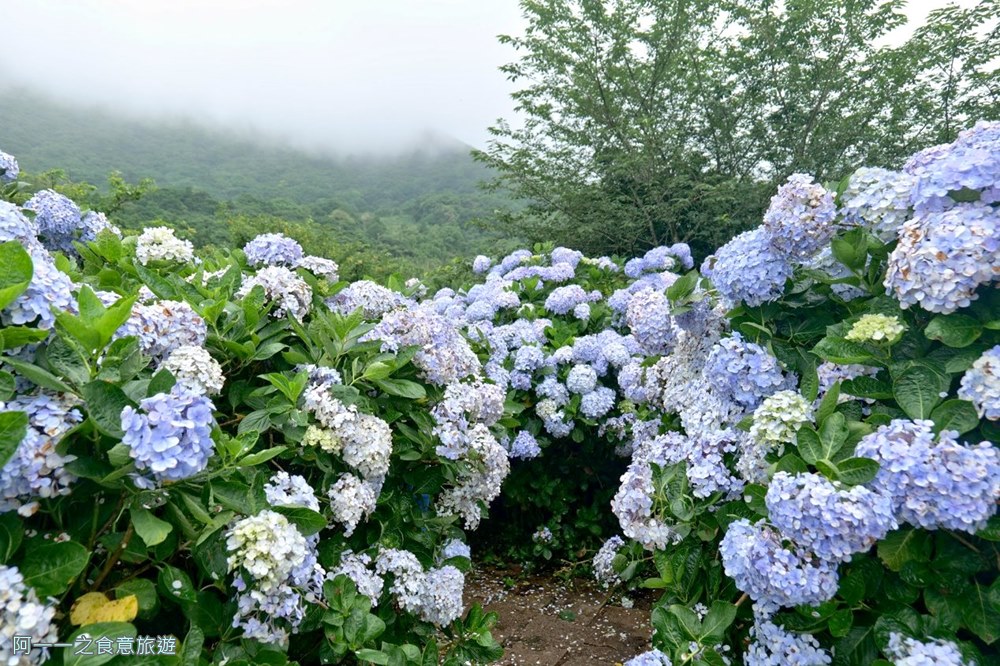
<point>794,446</point>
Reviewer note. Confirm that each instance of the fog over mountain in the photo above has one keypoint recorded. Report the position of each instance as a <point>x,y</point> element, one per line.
<point>353,76</point>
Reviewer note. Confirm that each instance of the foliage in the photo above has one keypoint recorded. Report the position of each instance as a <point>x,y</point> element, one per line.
<point>647,122</point>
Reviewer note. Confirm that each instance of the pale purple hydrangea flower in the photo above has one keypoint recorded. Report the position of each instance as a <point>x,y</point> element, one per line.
<point>800,219</point>
<point>524,446</point>
<point>320,267</point>
<point>582,379</point>
<point>773,645</point>
<point>9,169</point>
<point>652,658</point>
<point>648,317</point>
<point>604,570</point>
<point>878,200</point>
<point>971,162</point>
<point>749,269</point>
<point>57,219</point>
<point>372,299</point>
<point>906,651</point>
<point>290,490</point>
<point>164,326</point>
<point>481,264</point>
<point>744,372</point>
<point>289,293</point>
<point>273,250</point>
<point>170,436</point>
<point>981,384</point>
<point>358,567</point>
<point>598,402</point>
<point>49,291</point>
<point>23,614</point>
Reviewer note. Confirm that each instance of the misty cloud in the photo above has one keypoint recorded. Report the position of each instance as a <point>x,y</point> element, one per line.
<point>353,75</point>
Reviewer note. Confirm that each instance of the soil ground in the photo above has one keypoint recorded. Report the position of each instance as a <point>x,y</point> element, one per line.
<point>546,621</point>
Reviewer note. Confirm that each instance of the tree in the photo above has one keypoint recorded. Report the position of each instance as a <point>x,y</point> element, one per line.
<point>654,121</point>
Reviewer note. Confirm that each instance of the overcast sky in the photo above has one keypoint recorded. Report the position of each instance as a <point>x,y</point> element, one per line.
<point>354,74</point>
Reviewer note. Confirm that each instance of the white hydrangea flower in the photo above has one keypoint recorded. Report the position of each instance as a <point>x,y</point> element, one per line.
<point>160,244</point>
<point>194,367</point>
<point>778,419</point>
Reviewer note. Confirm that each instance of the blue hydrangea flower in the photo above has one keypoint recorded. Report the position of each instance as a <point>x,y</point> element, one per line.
<point>9,169</point>
<point>648,317</point>
<point>749,269</point>
<point>15,226</point>
<point>942,258</point>
<point>581,379</point>
<point>169,436</point>
<point>800,220</point>
<point>582,311</point>
<point>773,645</point>
<point>971,163</point>
<point>564,299</point>
<point>773,574</point>
<point>598,402</point>
<point>652,658</point>
<point>564,255</point>
<point>57,219</point>
<point>934,484</point>
<point>524,446</point>
<point>481,264</point>
<point>744,372</point>
<point>906,651</point>
<point>164,326</point>
<point>94,223</point>
<point>273,250</point>
<point>878,200</point>
<point>832,521</point>
<point>981,384</point>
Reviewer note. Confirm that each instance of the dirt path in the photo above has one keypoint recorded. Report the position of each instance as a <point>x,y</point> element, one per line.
<point>548,622</point>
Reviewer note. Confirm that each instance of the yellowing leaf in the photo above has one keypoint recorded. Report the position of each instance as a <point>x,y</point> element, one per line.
<point>94,607</point>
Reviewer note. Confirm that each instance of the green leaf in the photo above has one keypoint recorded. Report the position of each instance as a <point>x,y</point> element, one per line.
<point>12,337</point>
<point>867,387</point>
<point>110,630</point>
<point>904,545</point>
<point>50,567</point>
<point>11,534</point>
<point>688,619</point>
<point>152,530</point>
<point>840,623</point>
<point>792,464</point>
<point>16,271</point>
<point>404,388</point>
<point>809,445</point>
<point>829,403</point>
<point>308,521</point>
<point>954,330</point>
<point>39,376</point>
<point>176,585</point>
<point>838,350</point>
<point>105,403</point>
<point>857,471</point>
<point>980,615</point>
<point>720,615</point>
<point>261,456</point>
<point>13,428</point>
<point>833,433</point>
<point>194,641</point>
<point>918,391</point>
<point>957,415</point>
<point>6,388</point>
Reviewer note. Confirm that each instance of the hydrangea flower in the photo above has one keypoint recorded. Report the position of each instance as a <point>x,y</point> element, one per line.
<point>273,250</point>
<point>320,374</point>
<point>15,226</point>
<point>170,436</point>
<point>778,418</point>
<point>23,614</point>
<point>831,520</point>
<point>876,328</point>
<point>906,651</point>
<point>563,299</point>
<point>774,575</point>
<point>266,546</point>
<point>981,384</point>
<point>877,199</point>
<point>36,470</point>
<point>479,482</point>
<point>744,372</point>
<point>160,244</point>
<point>934,484</point>
<point>164,326</point>
<point>93,223</point>
<point>582,379</point>
<point>481,264</point>
<point>604,570</point>
<point>524,446</point>
<point>542,535</point>
<point>290,490</point>
<point>648,317</point>
<point>749,269</point>
<point>49,291</point>
<point>564,255</point>
<point>971,162</point>
<point>633,505</point>
<point>57,219</point>
<point>652,658</point>
<point>456,548</point>
<point>800,219</point>
<point>351,500</point>
<point>290,293</point>
<point>773,645</point>
<point>9,170</point>
<point>942,258</point>
<point>444,356</point>
<point>320,267</point>
<point>598,402</point>
<point>434,595</point>
<point>358,567</point>
<point>194,368</point>
<point>463,408</point>
<point>372,299</point>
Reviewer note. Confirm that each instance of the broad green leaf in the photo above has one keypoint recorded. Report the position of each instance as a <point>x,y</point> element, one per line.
<point>109,630</point>
<point>688,619</point>
<point>16,271</point>
<point>151,529</point>
<point>13,428</point>
<point>50,567</point>
<point>957,415</point>
<point>11,535</point>
<point>39,376</point>
<point>404,388</point>
<point>809,445</point>
<point>904,545</point>
<point>954,330</point>
<point>308,522</point>
<point>918,391</point>
<point>261,456</point>
<point>857,471</point>
<point>720,615</point>
<point>105,402</point>
<point>175,585</point>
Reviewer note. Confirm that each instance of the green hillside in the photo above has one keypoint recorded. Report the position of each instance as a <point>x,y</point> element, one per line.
<point>415,210</point>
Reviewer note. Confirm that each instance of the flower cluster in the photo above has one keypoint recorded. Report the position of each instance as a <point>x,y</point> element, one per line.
<point>273,250</point>
<point>23,614</point>
<point>365,439</point>
<point>358,567</point>
<point>744,372</point>
<point>372,299</point>
<point>352,500</point>
<point>49,291</point>
<point>832,521</point>
<point>9,169</point>
<point>170,436</point>
<point>906,651</point>
<point>160,244</point>
<point>778,418</point>
<point>749,268</point>
<point>36,470</point>
<point>877,199</point>
<point>57,219</point>
<point>434,595</point>
<point>320,267</point>
<point>970,164</point>
<point>648,317</point>
<point>194,368</point>
<point>479,479</point>
<point>773,645</point>
<point>164,326</point>
<point>876,328</point>
<point>289,293</point>
<point>981,384</point>
<point>934,484</point>
<point>800,218</point>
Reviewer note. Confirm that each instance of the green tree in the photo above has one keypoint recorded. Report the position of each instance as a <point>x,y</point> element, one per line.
<point>644,122</point>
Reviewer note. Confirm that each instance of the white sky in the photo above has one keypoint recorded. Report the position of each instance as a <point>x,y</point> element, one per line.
<point>354,74</point>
